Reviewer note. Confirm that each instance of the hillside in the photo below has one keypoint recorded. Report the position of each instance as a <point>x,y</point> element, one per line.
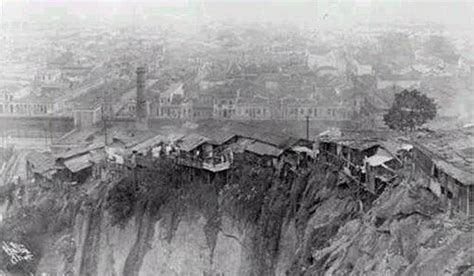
<point>252,220</point>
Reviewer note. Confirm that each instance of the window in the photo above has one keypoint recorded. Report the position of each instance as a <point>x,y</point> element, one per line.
<point>315,112</point>
<point>329,111</point>
<point>309,111</point>
<point>302,111</point>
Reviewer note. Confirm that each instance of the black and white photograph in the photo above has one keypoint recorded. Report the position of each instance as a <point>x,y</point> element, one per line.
<point>236,137</point>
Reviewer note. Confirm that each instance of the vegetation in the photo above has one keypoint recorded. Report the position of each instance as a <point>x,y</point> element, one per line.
<point>410,109</point>
<point>144,185</point>
<point>246,189</point>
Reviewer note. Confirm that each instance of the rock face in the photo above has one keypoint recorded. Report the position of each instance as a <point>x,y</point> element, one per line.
<point>305,225</point>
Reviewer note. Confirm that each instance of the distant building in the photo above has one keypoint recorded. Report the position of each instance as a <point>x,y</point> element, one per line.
<point>403,81</point>
<point>48,76</point>
<point>173,92</point>
<point>298,109</point>
<point>225,105</point>
<point>256,108</point>
<point>87,116</point>
<point>26,106</point>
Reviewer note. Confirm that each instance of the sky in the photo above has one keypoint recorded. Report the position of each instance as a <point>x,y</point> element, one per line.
<point>454,13</point>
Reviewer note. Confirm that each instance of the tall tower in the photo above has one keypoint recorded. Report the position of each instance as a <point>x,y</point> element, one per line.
<point>141,110</point>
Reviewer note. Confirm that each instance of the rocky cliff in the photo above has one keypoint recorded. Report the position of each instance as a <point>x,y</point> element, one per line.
<point>251,220</point>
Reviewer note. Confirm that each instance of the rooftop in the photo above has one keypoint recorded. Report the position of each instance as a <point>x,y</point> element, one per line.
<point>264,132</point>
<point>264,149</point>
<point>191,141</point>
<point>41,162</point>
<point>452,150</point>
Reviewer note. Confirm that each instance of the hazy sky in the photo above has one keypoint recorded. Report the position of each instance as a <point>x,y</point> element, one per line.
<point>449,12</point>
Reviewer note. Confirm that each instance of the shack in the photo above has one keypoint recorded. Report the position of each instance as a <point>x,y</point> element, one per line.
<point>41,168</point>
<point>262,153</point>
<point>446,158</point>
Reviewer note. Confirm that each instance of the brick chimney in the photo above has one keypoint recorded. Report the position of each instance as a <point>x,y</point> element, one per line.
<point>141,111</point>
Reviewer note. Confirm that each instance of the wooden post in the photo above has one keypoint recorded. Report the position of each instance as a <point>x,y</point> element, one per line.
<point>307,127</point>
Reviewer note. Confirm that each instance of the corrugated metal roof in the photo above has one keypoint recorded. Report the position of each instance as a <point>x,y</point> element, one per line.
<point>264,149</point>
<point>79,163</point>
<point>191,141</point>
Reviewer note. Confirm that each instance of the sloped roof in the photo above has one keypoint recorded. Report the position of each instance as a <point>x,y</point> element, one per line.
<point>353,143</point>
<point>41,162</point>
<point>379,158</point>
<point>78,151</point>
<point>219,137</point>
<point>266,133</point>
<point>131,138</point>
<point>176,88</point>
<point>191,141</point>
<point>451,151</point>
<point>147,144</point>
<point>78,163</point>
<point>264,149</point>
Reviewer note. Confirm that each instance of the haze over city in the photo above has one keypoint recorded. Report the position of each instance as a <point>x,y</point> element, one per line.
<point>236,137</point>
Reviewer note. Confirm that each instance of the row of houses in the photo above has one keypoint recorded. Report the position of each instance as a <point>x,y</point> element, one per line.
<point>82,155</point>
<point>443,160</point>
<point>257,107</point>
<point>372,162</point>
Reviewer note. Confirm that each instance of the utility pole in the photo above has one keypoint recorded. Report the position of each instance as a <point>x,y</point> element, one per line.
<point>50,129</point>
<point>103,115</point>
<point>307,127</point>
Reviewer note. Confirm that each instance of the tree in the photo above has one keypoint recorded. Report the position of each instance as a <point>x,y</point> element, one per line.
<point>409,110</point>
